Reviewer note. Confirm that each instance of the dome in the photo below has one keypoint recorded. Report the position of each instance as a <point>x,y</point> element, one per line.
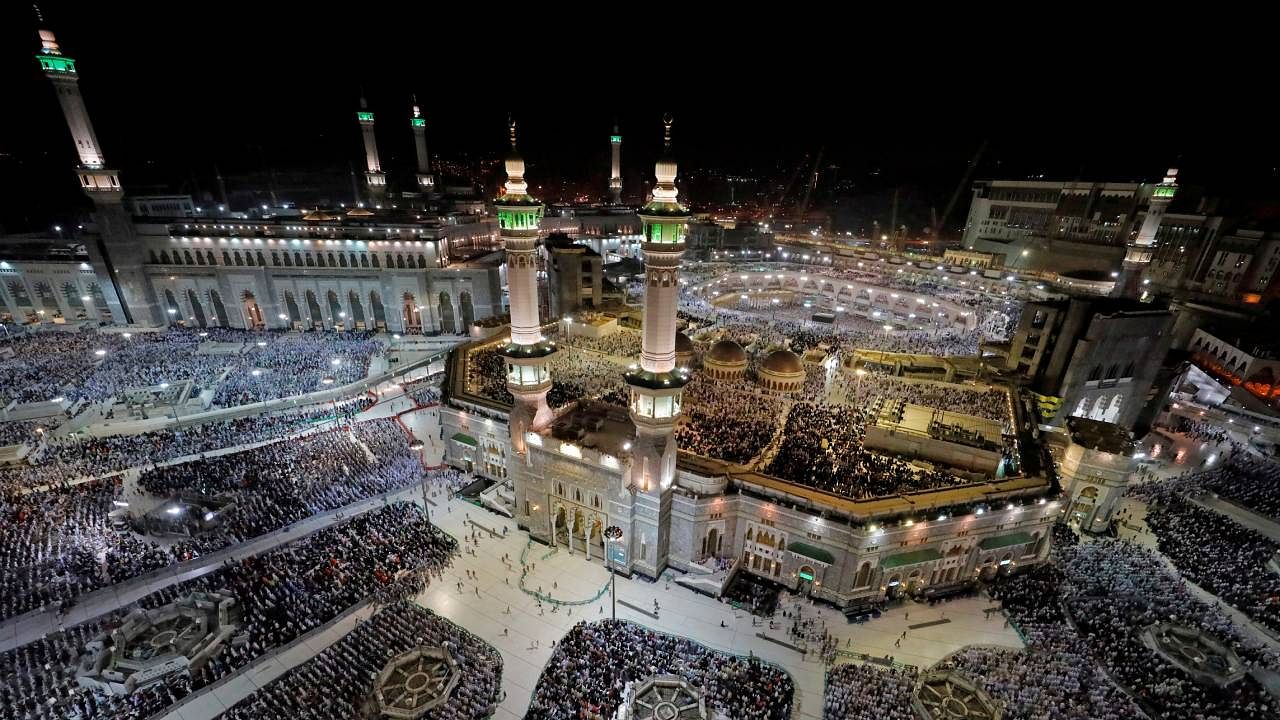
<point>783,362</point>
<point>319,215</point>
<point>359,212</point>
<point>727,352</point>
<point>683,344</point>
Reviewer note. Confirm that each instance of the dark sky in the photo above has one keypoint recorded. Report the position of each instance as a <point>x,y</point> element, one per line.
<point>173,89</point>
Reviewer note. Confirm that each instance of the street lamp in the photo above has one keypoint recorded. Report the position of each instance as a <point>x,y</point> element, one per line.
<point>417,446</point>
<point>612,534</point>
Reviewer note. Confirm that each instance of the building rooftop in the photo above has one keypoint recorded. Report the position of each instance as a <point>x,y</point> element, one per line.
<point>1102,436</point>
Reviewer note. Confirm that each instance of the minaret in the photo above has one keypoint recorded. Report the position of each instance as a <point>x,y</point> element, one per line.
<point>376,179</point>
<point>655,387</point>
<point>528,378</point>
<point>117,254</point>
<point>1137,256</point>
<point>615,167</point>
<point>426,182</point>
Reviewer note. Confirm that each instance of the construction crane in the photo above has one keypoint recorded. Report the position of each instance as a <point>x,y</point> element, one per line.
<point>955,196</point>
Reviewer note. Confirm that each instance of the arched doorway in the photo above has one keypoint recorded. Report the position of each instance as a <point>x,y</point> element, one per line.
<point>446,315</point>
<point>559,527</point>
<point>357,310</point>
<point>893,589</point>
<point>316,318</point>
<point>337,315</point>
<point>252,312</point>
<point>379,312</point>
<point>100,302</point>
<point>410,312</point>
<point>48,301</point>
<point>1113,409</point>
<point>197,310</point>
<point>805,578</point>
<point>291,307</point>
<point>711,544</point>
<point>219,309</point>
<point>864,575</point>
<point>467,311</point>
<point>171,308</point>
<point>18,292</point>
<point>75,302</point>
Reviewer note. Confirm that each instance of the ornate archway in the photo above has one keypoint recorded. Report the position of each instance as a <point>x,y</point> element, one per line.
<point>197,310</point>
<point>446,315</point>
<point>252,311</point>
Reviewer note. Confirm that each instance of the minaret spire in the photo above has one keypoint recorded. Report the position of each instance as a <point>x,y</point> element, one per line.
<point>1137,257</point>
<point>528,378</point>
<point>655,386</point>
<point>426,182</point>
<point>119,255</point>
<point>615,166</point>
<point>376,179</point>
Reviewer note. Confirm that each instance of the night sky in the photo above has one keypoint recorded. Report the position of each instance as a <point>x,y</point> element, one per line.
<point>175,89</point>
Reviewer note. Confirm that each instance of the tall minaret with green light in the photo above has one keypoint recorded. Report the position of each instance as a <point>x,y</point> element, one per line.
<point>117,253</point>
<point>426,181</point>
<point>615,167</point>
<point>376,179</point>
<point>526,356</point>
<point>1137,257</point>
<point>655,386</point>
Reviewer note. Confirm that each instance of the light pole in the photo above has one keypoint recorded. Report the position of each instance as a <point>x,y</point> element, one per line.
<point>417,447</point>
<point>613,534</point>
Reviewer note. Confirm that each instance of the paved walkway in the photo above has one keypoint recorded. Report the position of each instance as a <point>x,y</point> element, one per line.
<point>1242,515</point>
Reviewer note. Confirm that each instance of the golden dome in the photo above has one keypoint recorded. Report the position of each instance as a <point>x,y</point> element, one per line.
<point>727,352</point>
<point>783,362</point>
<point>359,212</point>
<point>683,344</point>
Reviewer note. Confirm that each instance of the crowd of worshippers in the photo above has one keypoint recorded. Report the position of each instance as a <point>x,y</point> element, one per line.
<point>51,539</point>
<point>1214,551</point>
<point>594,662</point>
<point>29,432</point>
<point>276,485</point>
<point>1245,479</point>
<point>423,392</point>
<point>624,343</point>
<point>339,682</point>
<point>863,692</point>
<point>729,420</point>
<point>385,555</point>
<point>1113,591</point>
<point>75,456</point>
<point>94,366</point>
<point>574,376</point>
<point>822,448</point>
<point>862,390</point>
<point>1203,431</point>
<point>291,364</point>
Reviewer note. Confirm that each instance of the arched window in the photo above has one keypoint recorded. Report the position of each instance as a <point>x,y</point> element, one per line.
<point>275,258</point>
<point>364,260</point>
<point>209,256</point>
<point>200,258</point>
<point>320,260</point>
<point>261,260</point>
<point>342,259</point>
<point>373,257</point>
<point>1095,374</point>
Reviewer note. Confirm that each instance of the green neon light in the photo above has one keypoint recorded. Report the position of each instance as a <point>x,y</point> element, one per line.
<point>1164,191</point>
<point>416,122</point>
<point>615,139</point>
<point>57,63</point>
<point>806,576</point>
<point>364,116</point>
<point>529,218</point>
<point>667,233</point>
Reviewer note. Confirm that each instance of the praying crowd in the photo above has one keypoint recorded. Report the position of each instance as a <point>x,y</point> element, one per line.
<point>593,663</point>
<point>385,555</point>
<point>336,684</point>
<point>1214,551</point>
<point>245,366</point>
<point>861,390</point>
<point>822,448</point>
<point>279,484</point>
<point>729,420</point>
<point>864,692</point>
<point>1113,591</point>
